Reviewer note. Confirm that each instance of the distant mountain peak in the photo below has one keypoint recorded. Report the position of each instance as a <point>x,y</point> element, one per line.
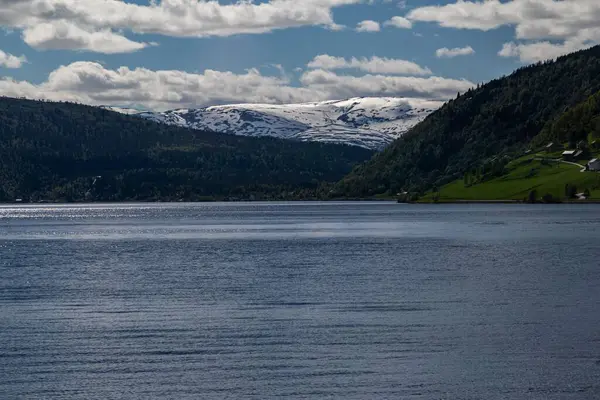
<point>369,122</point>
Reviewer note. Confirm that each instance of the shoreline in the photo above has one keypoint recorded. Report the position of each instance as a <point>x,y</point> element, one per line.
<point>502,202</point>
<point>365,200</point>
<point>50,203</point>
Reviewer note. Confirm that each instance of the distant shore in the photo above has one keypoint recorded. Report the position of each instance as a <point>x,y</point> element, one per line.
<point>365,200</point>
<point>42,203</point>
<point>503,202</point>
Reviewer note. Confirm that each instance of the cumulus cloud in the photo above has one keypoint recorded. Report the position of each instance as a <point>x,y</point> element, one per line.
<point>455,52</point>
<point>545,28</point>
<point>10,61</point>
<point>377,65</point>
<point>368,26</point>
<point>91,24</point>
<point>383,85</point>
<point>399,22</point>
<point>63,35</point>
<point>538,51</point>
<point>467,14</point>
<point>91,83</point>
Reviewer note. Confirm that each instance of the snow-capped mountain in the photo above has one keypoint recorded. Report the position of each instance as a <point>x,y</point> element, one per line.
<point>371,122</point>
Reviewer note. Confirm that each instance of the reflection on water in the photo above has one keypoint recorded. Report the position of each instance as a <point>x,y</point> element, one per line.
<point>304,300</point>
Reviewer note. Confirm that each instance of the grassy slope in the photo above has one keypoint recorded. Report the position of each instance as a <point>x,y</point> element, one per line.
<point>517,184</point>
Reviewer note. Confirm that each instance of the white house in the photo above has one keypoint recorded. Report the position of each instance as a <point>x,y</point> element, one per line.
<point>594,165</point>
<point>569,154</point>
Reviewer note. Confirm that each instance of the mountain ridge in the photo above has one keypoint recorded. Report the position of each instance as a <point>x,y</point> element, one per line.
<point>369,122</point>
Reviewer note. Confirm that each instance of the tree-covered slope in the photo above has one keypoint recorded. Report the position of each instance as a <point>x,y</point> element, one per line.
<point>54,151</point>
<point>580,123</point>
<point>498,117</point>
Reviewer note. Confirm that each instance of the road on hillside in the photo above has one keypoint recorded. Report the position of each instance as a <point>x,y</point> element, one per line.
<point>583,167</point>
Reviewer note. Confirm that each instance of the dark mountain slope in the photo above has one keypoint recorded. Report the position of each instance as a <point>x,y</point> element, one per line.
<point>580,123</point>
<point>54,150</point>
<point>498,117</point>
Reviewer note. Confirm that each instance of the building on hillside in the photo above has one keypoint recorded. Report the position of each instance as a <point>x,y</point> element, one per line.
<point>594,165</point>
<point>569,155</point>
<point>550,147</point>
<point>578,154</point>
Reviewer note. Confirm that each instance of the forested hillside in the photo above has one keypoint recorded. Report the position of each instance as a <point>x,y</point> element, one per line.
<point>68,152</point>
<point>580,123</point>
<point>497,118</point>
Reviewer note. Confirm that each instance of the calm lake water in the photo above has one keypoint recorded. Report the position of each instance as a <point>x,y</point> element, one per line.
<point>305,300</point>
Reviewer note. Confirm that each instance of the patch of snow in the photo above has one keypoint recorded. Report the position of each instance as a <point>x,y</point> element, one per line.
<point>121,110</point>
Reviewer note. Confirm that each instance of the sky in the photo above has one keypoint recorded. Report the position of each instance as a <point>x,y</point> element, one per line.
<point>166,54</point>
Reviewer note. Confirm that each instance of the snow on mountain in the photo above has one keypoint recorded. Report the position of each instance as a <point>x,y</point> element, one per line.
<point>371,122</point>
<point>122,110</point>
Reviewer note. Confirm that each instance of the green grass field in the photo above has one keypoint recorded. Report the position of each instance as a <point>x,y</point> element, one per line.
<point>525,174</point>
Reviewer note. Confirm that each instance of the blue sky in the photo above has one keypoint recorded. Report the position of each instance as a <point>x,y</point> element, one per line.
<point>157,56</point>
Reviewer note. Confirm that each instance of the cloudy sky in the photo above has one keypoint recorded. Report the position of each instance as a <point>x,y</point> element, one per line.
<point>162,54</point>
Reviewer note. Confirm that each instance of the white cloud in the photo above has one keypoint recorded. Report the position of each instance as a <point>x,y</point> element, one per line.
<point>546,28</point>
<point>538,51</point>
<point>399,22</point>
<point>368,26</point>
<point>451,53</point>
<point>10,61</point>
<point>63,35</point>
<point>486,15</point>
<point>382,85</point>
<point>91,24</point>
<point>374,64</point>
<point>91,83</point>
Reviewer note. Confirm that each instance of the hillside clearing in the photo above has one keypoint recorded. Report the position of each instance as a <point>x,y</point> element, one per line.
<point>524,176</point>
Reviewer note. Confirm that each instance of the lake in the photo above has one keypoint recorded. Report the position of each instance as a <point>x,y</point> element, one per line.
<point>367,300</point>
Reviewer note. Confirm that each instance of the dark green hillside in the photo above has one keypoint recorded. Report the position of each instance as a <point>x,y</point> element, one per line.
<point>497,118</point>
<point>580,123</point>
<point>53,151</point>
